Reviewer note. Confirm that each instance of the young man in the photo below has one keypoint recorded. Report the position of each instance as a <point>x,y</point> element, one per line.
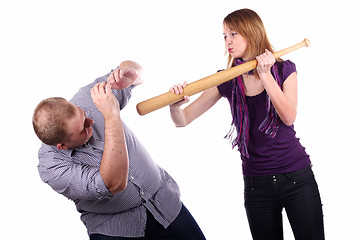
<point>90,156</point>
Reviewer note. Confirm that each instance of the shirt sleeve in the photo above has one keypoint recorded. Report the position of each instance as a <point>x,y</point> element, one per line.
<point>285,68</point>
<point>75,181</point>
<point>225,88</point>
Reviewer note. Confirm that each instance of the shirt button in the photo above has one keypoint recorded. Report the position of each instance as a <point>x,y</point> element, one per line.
<point>142,193</point>
<point>132,178</point>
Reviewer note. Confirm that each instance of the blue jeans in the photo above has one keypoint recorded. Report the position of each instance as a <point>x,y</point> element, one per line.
<point>184,227</point>
<point>297,192</point>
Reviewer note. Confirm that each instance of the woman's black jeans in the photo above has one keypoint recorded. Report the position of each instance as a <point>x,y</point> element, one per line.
<point>296,192</point>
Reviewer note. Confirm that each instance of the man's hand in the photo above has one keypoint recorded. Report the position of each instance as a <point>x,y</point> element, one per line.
<point>122,77</point>
<point>104,100</point>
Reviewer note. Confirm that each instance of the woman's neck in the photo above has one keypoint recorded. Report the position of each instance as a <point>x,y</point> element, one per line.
<point>253,85</point>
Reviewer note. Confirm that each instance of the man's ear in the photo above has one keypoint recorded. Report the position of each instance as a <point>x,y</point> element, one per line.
<point>61,146</point>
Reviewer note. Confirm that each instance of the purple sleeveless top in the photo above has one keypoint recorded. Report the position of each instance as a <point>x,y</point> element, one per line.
<point>280,154</point>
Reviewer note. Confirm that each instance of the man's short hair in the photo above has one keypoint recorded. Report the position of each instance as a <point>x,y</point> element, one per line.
<point>49,120</point>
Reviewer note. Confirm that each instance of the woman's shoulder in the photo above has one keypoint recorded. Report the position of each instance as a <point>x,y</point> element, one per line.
<point>285,68</point>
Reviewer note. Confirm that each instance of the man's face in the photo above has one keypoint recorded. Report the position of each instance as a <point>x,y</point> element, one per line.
<point>79,128</point>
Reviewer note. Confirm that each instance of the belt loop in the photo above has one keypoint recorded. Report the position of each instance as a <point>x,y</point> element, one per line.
<point>288,175</point>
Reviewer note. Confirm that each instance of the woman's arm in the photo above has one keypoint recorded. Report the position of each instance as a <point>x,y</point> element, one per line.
<point>285,100</point>
<point>182,117</point>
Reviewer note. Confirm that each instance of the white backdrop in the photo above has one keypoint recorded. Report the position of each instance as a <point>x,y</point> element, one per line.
<point>52,48</point>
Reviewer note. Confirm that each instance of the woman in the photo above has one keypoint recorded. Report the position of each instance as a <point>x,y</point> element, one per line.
<point>276,168</point>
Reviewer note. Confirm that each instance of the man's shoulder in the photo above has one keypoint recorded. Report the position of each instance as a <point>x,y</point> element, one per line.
<point>51,154</point>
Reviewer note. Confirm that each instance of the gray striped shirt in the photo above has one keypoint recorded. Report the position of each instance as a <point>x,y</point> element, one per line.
<point>75,173</point>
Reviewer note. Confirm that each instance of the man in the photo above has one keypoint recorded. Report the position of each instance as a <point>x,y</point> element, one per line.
<point>90,156</point>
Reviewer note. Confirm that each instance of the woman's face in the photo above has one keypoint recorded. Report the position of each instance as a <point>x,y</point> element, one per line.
<point>235,44</point>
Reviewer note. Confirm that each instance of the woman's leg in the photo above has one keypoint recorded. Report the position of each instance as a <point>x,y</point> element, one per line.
<point>263,208</point>
<point>303,206</point>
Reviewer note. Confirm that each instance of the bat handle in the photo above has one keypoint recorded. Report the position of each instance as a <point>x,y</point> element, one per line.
<point>304,43</point>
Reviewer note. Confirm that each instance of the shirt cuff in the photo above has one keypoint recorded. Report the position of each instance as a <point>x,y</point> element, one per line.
<point>100,187</point>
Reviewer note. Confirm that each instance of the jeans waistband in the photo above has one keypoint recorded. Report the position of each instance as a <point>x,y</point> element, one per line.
<point>288,174</point>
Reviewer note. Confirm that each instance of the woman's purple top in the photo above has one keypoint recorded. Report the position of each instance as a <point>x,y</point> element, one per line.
<point>280,154</point>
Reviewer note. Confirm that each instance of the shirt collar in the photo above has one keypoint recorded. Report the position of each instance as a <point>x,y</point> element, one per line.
<point>92,143</point>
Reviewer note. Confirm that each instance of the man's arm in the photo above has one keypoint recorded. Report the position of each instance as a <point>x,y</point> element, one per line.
<point>128,73</point>
<point>138,69</point>
<point>114,166</point>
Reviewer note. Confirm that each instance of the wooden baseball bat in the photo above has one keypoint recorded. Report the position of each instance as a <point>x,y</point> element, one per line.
<point>213,80</point>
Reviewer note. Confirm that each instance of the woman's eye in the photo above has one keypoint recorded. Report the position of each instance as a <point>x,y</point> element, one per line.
<point>234,33</point>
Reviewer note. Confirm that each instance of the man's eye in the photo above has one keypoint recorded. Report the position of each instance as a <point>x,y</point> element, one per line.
<point>234,33</point>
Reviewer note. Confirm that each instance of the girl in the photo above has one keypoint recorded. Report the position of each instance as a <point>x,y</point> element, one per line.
<point>277,170</point>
